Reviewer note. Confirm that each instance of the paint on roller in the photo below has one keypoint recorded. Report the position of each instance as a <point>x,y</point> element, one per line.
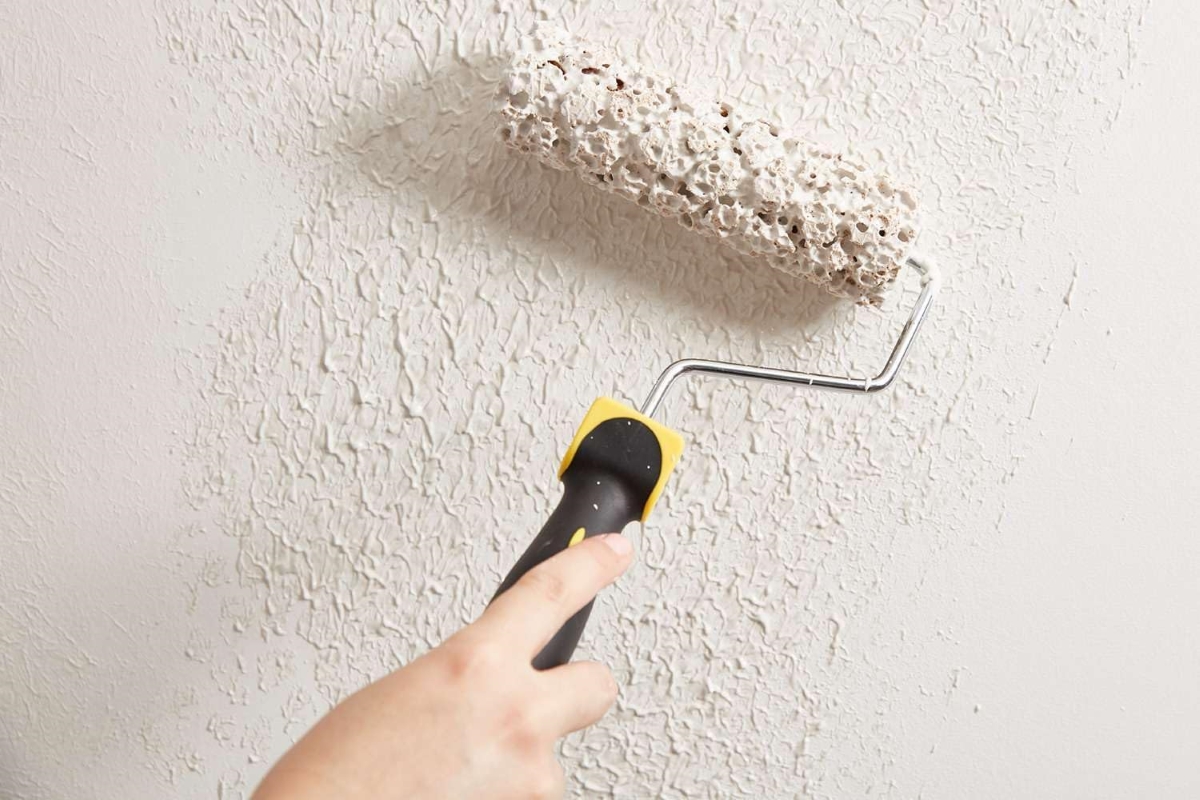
<point>713,167</point>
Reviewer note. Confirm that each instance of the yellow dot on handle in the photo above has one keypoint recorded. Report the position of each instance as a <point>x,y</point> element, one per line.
<point>576,537</point>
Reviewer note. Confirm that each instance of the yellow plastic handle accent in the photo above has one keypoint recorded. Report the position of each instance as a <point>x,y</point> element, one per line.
<point>669,442</point>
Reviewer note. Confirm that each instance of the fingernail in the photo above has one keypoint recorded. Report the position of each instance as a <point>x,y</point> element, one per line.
<point>617,543</point>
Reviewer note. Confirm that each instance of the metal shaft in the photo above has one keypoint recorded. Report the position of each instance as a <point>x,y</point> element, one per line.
<point>881,381</point>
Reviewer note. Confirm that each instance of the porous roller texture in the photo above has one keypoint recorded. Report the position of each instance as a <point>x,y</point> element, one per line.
<point>716,169</point>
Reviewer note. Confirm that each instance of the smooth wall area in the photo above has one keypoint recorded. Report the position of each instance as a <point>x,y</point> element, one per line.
<point>291,344</point>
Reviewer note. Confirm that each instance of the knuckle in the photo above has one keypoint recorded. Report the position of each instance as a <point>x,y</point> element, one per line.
<point>518,731</point>
<point>549,585</point>
<point>467,660</point>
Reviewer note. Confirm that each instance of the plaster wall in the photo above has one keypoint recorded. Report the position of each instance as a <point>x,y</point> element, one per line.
<point>291,345</point>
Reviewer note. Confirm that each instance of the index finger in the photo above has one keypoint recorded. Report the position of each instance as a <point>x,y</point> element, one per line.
<point>544,598</point>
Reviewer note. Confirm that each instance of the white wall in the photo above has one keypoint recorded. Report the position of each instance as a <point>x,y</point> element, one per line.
<point>291,346</point>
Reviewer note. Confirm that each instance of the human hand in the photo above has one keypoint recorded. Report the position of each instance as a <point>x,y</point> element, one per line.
<point>471,718</point>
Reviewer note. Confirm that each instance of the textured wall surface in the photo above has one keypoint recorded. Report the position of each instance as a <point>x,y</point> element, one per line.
<point>291,344</point>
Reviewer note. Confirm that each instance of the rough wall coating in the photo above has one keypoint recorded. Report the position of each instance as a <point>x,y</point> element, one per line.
<point>383,413</point>
<point>710,166</point>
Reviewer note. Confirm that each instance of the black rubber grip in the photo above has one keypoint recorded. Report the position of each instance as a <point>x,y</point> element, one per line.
<point>605,487</point>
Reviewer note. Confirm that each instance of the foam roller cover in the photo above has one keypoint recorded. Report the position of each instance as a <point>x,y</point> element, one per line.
<point>709,165</point>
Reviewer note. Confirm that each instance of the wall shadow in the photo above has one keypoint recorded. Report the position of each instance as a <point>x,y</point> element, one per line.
<point>438,134</point>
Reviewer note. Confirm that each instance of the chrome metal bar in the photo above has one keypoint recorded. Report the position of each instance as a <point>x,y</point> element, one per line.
<point>726,369</point>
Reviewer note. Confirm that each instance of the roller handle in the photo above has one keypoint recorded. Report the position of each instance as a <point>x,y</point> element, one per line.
<point>611,476</point>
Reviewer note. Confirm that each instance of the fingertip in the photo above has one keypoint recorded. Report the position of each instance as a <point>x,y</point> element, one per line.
<point>587,691</point>
<point>611,686</point>
<point>542,600</point>
<point>619,544</point>
<point>597,677</point>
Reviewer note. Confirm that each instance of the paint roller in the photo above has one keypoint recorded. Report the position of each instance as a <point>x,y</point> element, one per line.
<point>726,174</point>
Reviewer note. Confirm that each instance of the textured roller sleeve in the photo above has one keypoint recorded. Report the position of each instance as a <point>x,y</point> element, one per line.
<point>714,168</point>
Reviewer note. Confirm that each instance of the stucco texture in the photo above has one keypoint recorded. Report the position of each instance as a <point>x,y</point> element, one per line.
<point>294,344</point>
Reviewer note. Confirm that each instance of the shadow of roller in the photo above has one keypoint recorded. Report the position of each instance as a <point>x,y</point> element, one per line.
<point>440,135</point>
